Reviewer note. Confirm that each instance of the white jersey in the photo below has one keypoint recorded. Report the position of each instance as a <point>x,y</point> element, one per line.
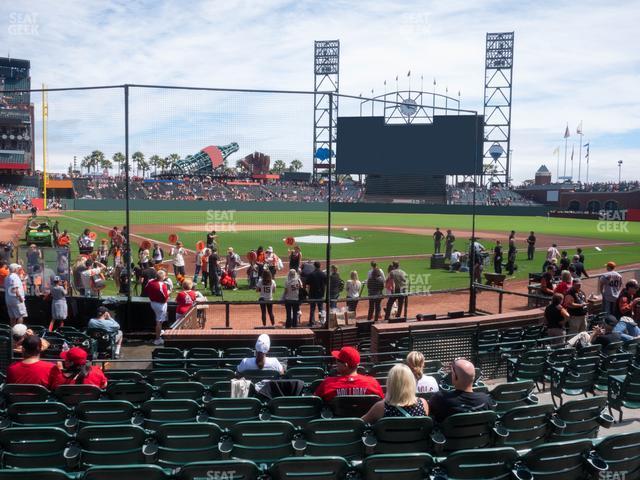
<point>552,252</point>
<point>426,384</point>
<point>610,285</point>
<point>178,256</point>
<point>266,291</point>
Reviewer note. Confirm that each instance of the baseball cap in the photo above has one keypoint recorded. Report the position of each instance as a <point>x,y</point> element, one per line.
<point>75,355</point>
<point>270,249</point>
<point>611,320</point>
<point>19,330</point>
<point>347,355</point>
<point>263,344</point>
<point>56,279</point>
<point>611,265</point>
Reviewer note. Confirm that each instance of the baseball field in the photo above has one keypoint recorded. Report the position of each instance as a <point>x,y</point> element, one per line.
<point>373,236</point>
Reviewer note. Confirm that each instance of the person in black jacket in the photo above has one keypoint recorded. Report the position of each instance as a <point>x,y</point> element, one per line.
<point>497,257</point>
<point>375,286</point>
<point>316,284</point>
<point>214,272</point>
<point>336,285</point>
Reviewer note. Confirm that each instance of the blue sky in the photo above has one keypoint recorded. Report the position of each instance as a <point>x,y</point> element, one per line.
<point>574,61</point>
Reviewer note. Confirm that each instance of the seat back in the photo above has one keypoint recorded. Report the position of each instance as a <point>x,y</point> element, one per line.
<point>71,395</point>
<point>621,454</point>
<point>578,377</point>
<point>335,436</point>
<point>562,460</point>
<point>33,447</point>
<point>406,466</point>
<point>513,394</point>
<point>493,463</point>
<point>16,392</point>
<point>134,392</point>
<point>159,377</point>
<point>486,341</point>
<point>199,358</point>
<point>104,412</point>
<point>262,442</point>
<point>160,411</point>
<point>38,414</point>
<point>126,472</point>
<point>229,411</point>
<point>306,374</point>
<point>111,445</point>
<point>468,430</point>
<point>527,426</point>
<point>309,468</point>
<point>581,418</point>
<point>182,391</point>
<point>168,357</point>
<point>259,375</point>
<point>297,410</point>
<point>33,473</point>
<point>123,376</point>
<point>181,443</point>
<point>105,341</point>
<point>209,376</point>
<point>400,434</point>
<point>352,405</point>
<point>242,470</point>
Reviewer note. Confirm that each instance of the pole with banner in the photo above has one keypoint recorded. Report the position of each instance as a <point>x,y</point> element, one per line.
<point>579,132</point>
<point>566,144</point>
<point>45,114</point>
<point>586,156</point>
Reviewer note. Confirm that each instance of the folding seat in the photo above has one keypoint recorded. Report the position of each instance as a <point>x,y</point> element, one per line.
<point>123,376</point>
<point>159,377</point>
<point>310,350</point>
<point>34,473</point>
<point>21,392</point>
<point>432,367</point>
<point>335,436</point>
<point>309,468</point>
<point>104,412</point>
<point>233,356</point>
<point>105,342</point>
<point>38,414</point>
<point>259,375</point>
<point>221,389</point>
<point>160,411</point>
<point>612,348</point>
<point>182,443</point>
<point>168,357</point>
<point>220,470</point>
<point>199,358</point>
<point>134,392</point>
<point>488,463</point>
<point>71,395</point>
<point>309,356</point>
<point>182,391</point>
<point>82,340</point>
<point>559,357</point>
<point>400,434</point>
<point>563,461</point>
<point>55,348</point>
<point>631,346</point>
<point>229,411</point>
<point>306,374</point>
<point>34,447</point>
<point>403,344</point>
<point>111,445</point>
<point>400,466</point>
<point>297,410</point>
<point>263,442</point>
<point>40,330</point>
<point>126,472</point>
<point>582,419</point>
<point>614,364</point>
<point>528,426</point>
<point>467,430</point>
<point>620,452</point>
<point>513,394</point>
<point>529,365</point>
<point>588,351</point>
<point>352,405</point>
<point>279,352</point>
<point>624,391</point>
<point>512,337</point>
<point>577,378</point>
<point>486,341</point>
<point>533,332</point>
<point>209,376</point>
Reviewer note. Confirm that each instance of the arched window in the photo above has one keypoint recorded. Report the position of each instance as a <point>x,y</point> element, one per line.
<point>574,205</point>
<point>593,206</point>
<point>611,206</point>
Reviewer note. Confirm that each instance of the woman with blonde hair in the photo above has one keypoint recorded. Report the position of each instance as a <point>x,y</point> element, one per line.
<point>424,383</point>
<point>354,286</point>
<point>400,399</point>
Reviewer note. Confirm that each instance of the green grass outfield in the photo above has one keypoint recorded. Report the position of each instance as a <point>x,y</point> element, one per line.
<point>370,244</point>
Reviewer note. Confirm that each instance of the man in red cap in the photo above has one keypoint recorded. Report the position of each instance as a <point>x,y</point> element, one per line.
<point>348,381</point>
<point>76,370</point>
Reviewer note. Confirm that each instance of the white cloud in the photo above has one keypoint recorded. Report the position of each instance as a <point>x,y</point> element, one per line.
<point>572,62</point>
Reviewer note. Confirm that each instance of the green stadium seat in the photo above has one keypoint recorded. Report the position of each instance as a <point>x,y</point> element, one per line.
<point>398,435</point>
<point>123,376</point>
<point>279,352</point>
<point>582,419</point>
<point>104,412</point>
<point>111,445</point>
<point>310,350</point>
<point>405,466</point>
<point>82,340</point>
<point>71,395</point>
<point>513,394</point>
<point>159,377</point>
<point>221,389</point>
<point>38,414</point>
<point>168,357</point>
<point>529,365</point>
<point>309,468</point>
<point>466,430</point>
<point>309,356</point>
<point>528,426</point>
<point>229,411</point>
<point>220,470</point>
<point>577,378</point>
<point>160,411</point>
<point>614,364</point>
<point>200,358</point>
<point>486,341</point>
<point>297,410</point>
<point>482,463</point>
<point>612,348</point>
<point>306,374</point>
<point>15,392</point>
<point>209,376</point>
<point>335,436</point>
<point>34,447</point>
<point>56,346</point>
<point>182,391</point>
<point>126,472</point>
<point>262,442</point>
<point>562,461</point>
<point>34,474</point>
<point>352,405</point>
<point>588,351</point>
<point>182,443</point>
<point>620,452</point>
<point>533,332</point>
<point>259,375</point>
<point>624,391</point>
<point>134,392</point>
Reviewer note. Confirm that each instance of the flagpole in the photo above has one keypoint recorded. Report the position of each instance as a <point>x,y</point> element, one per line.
<point>573,149</point>
<point>558,164</point>
<point>433,110</point>
<point>45,113</point>
<point>580,154</point>
<point>566,145</point>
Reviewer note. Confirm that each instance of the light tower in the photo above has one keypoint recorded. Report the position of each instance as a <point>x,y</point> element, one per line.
<point>497,106</point>
<point>326,75</point>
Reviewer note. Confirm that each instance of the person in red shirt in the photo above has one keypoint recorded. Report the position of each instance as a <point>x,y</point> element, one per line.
<point>31,370</point>
<point>185,299</point>
<point>565,283</point>
<point>158,294</point>
<point>348,381</point>
<point>77,371</point>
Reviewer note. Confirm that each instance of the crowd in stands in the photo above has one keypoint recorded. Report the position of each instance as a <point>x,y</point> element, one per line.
<point>608,186</point>
<point>16,197</point>
<point>490,196</point>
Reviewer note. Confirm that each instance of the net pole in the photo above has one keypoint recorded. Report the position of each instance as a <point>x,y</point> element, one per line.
<point>327,296</point>
<point>45,114</point>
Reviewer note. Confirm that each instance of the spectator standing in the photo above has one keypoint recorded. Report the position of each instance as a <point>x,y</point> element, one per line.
<point>424,383</point>
<point>31,370</point>
<point>295,258</point>
<point>59,311</point>
<point>104,321</point>
<point>497,257</point>
<point>531,245</point>
<point>76,370</point>
<point>291,297</point>
<point>375,286</point>
<point>266,288</point>
<point>198,266</point>
<point>316,283</point>
<point>157,254</point>
<point>575,301</point>
<point>546,282</point>
<point>211,240</point>
<point>511,254</point>
<point>336,285</point>
<point>177,253</point>
<point>214,272</point>
<point>204,266</point>
<point>456,261</point>
<point>158,294</point>
<point>93,280</point>
<point>272,261</point>
<point>552,252</point>
<point>449,240</point>
<point>103,251</point>
<point>354,286</point>
<point>185,299</point>
<point>399,290</point>
<point>144,257</point>
<point>14,296</point>
<point>556,317</point>
<point>579,267</point>
<point>437,240</point>
<point>63,241</point>
<point>610,285</point>
<point>566,280</point>
<point>232,262</point>
<point>85,242</point>
<point>34,258</point>
<point>580,255</point>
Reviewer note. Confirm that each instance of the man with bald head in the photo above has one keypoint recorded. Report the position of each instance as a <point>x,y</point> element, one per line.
<point>462,399</point>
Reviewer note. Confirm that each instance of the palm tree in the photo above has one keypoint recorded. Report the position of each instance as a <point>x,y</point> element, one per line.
<point>87,162</point>
<point>138,159</point>
<point>155,161</point>
<point>278,167</point>
<point>118,159</point>
<point>97,158</point>
<point>171,160</point>
<point>295,165</point>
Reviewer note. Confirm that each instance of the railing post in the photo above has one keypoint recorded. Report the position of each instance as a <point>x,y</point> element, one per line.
<point>227,319</point>
<point>500,298</point>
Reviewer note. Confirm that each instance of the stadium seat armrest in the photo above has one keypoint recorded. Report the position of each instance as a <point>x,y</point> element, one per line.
<point>326,412</point>
<point>605,420</point>
<point>533,399</point>
<point>150,451</point>
<point>595,463</point>
<point>299,444</point>
<point>521,472</point>
<point>72,455</point>
<point>558,424</point>
<point>500,430</point>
